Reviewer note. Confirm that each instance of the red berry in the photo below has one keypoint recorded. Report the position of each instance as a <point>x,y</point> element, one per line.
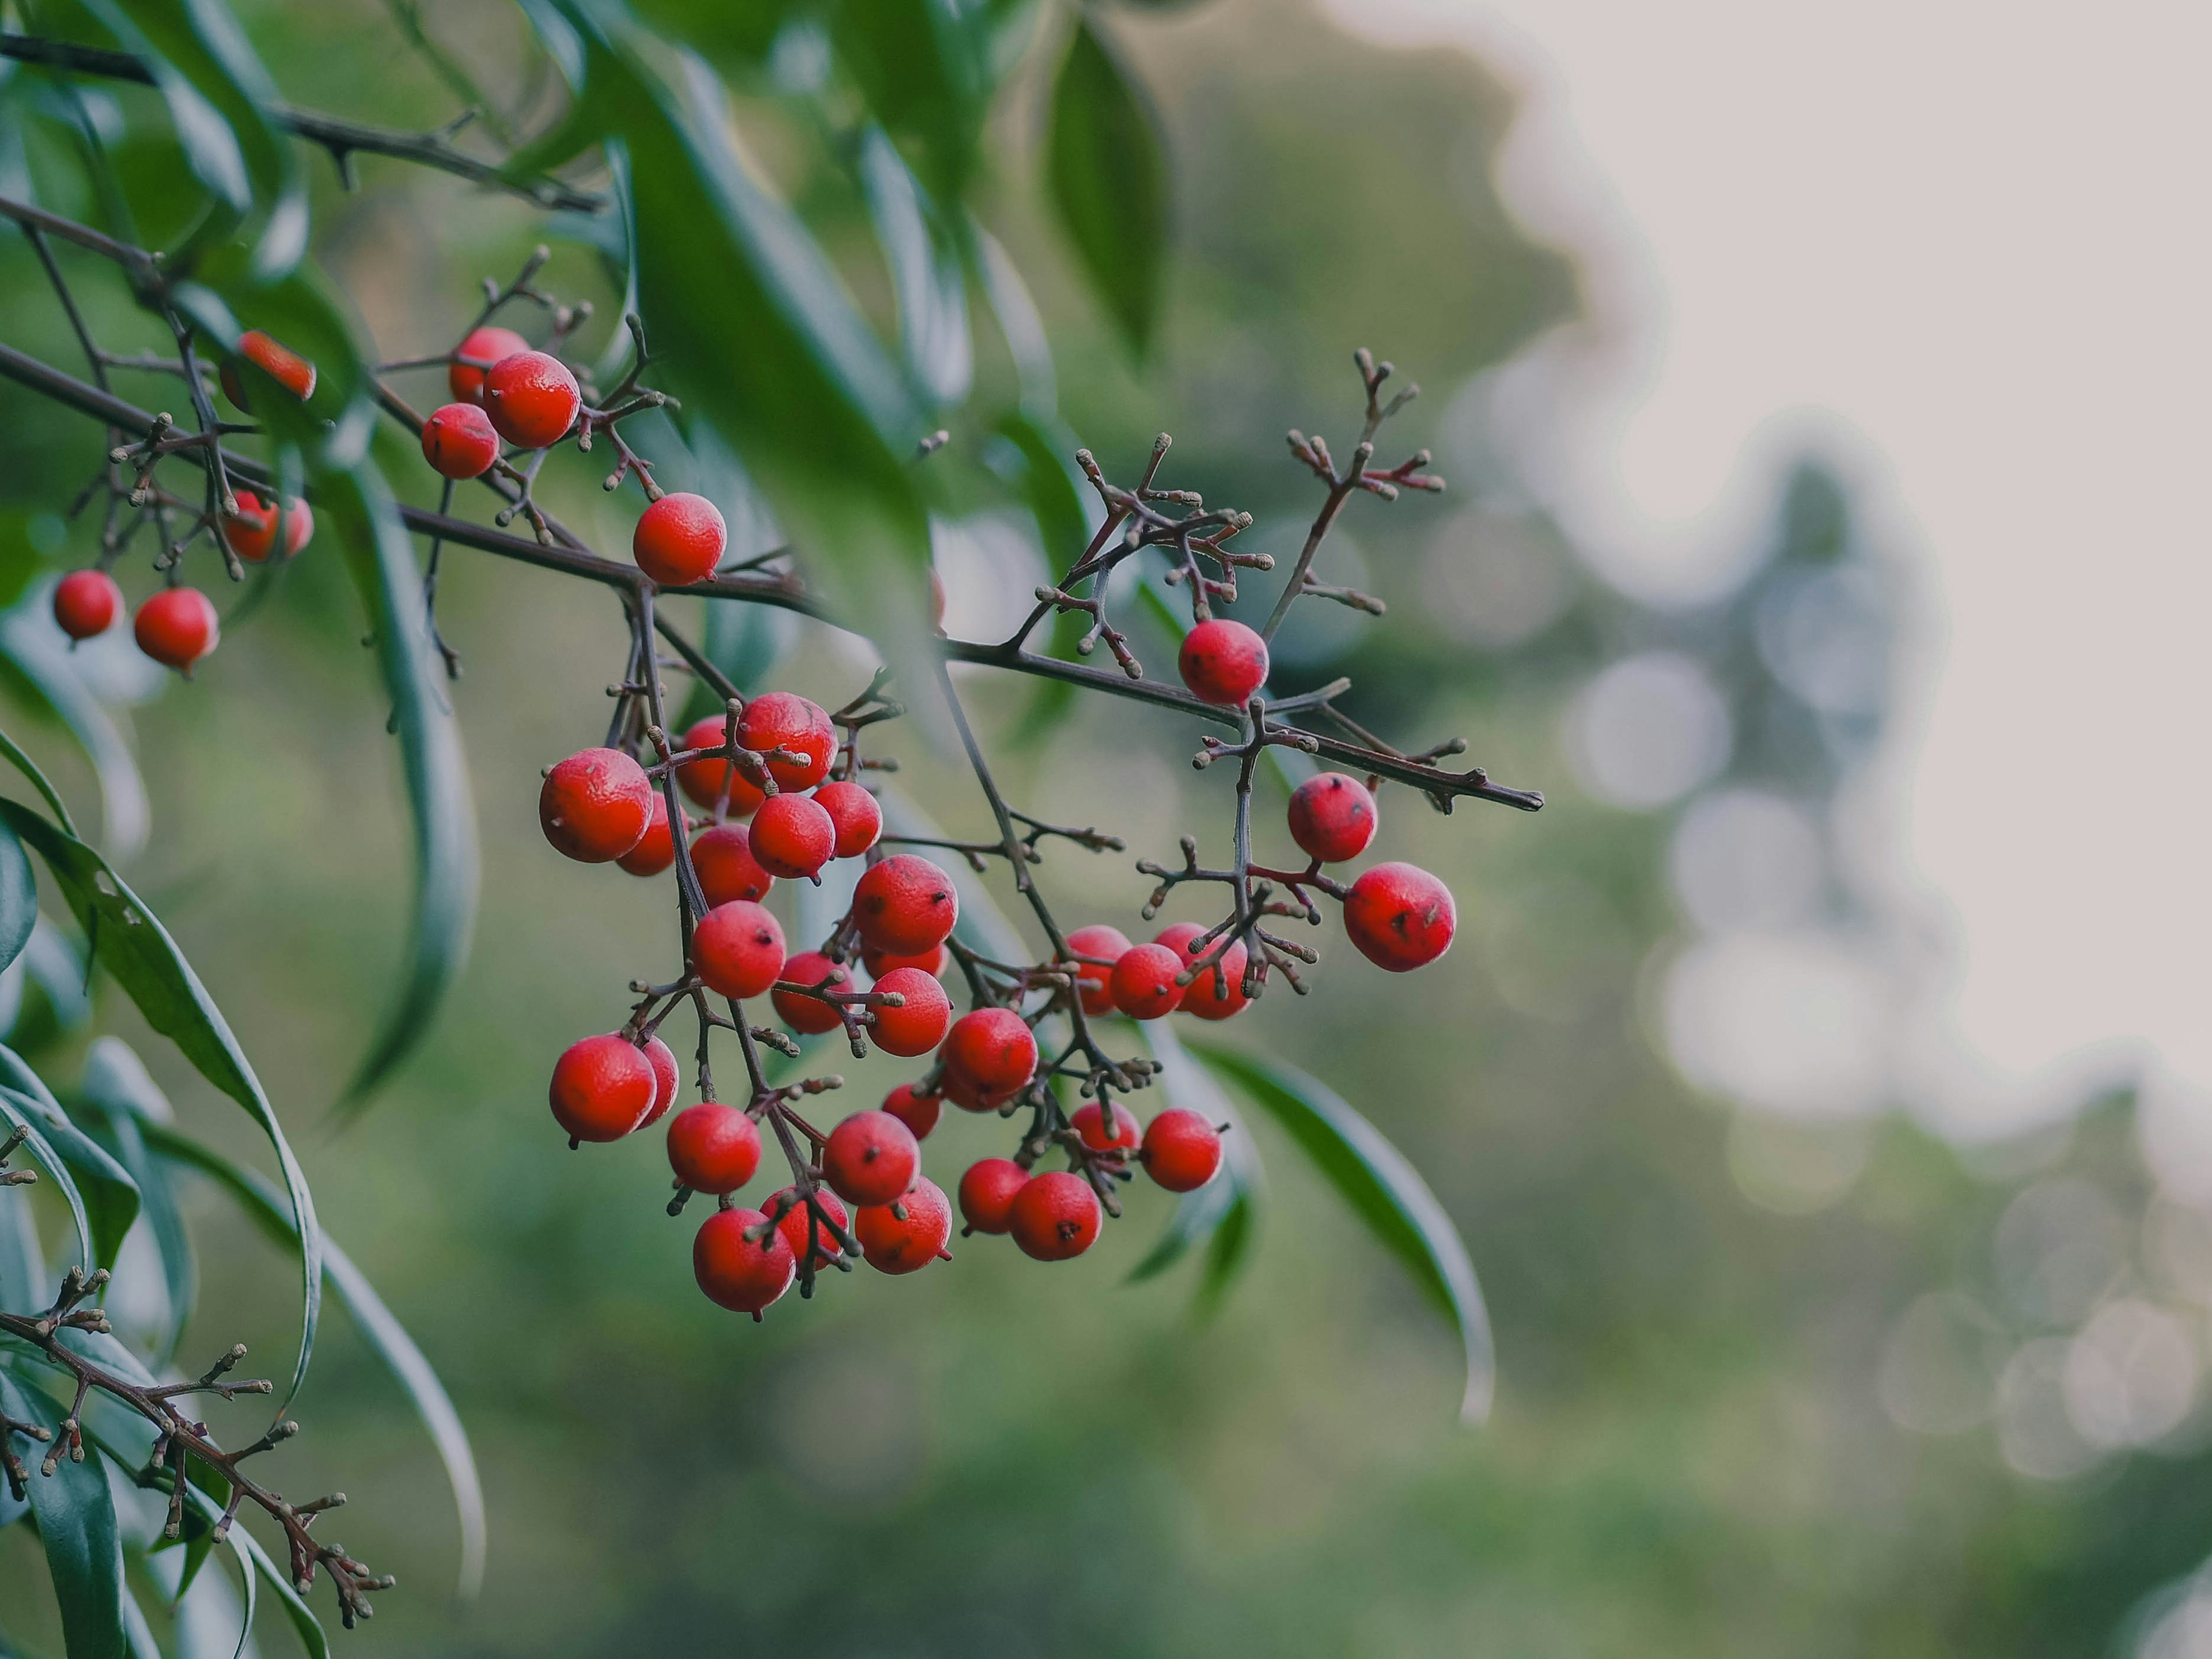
<point>667,1079</point>
<point>1182,1150</point>
<point>86,603</point>
<point>1091,977</point>
<point>871,1158</point>
<point>920,1024</point>
<point>723,859</point>
<point>987,1192</point>
<point>743,1274</point>
<point>679,539</point>
<point>854,811</point>
<point>1223,661</point>
<point>1331,818</point>
<point>712,1148</point>
<point>992,1048</point>
<point>458,442</point>
<point>532,398</point>
<point>905,904</point>
<point>298,525</point>
<point>655,850</point>
<point>595,806</point>
<point>810,1015</point>
<point>934,961</point>
<point>918,1111</point>
<point>1400,917</point>
<point>1211,996</point>
<point>177,626</point>
<point>252,531</point>
<point>782,719</point>
<point>902,1244</point>
<point>1091,1123</point>
<point>799,1222</point>
<point>965,1092</point>
<point>280,363</point>
<point>705,780</point>
<point>1055,1216</point>
<point>738,949</point>
<point>603,1087</point>
<point>1143,981</point>
<point>489,346</point>
<point>792,836</point>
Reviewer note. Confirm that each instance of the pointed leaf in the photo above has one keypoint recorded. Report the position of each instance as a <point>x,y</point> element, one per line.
<point>927,280</point>
<point>75,1514</point>
<point>117,1084</point>
<point>1224,1214</point>
<point>1106,167</point>
<point>110,1197</point>
<point>19,897</point>
<point>23,764</point>
<point>18,1112</point>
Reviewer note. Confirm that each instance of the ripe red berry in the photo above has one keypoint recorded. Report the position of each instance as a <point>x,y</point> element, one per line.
<point>458,442</point>
<point>1331,818</point>
<point>1223,661</point>
<point>993,1047</point>
<point>603,1087</point>
<point>532,398</point>
<point>798,1223</point>
<point>871,1158</point>
<point>792,836</point>
<point>679,539</point>
<point>280,363</point>
<point>854,811</point>
<point>1093,979</point>
<point>251,532</point>
<point>987,1192</point>
<point>1400,917</point>
<point>918,1023</point>
<point>738,949</point>
<point>705,780</point>
<point>177,626</point>
<point>656,849</point>
<point>1211,996</point>
<point>934,961</point>
<point>918,1111</point>
<point>965,1092</point>
<point>595,806</point>
<point>810,1015</point>
<point>1091,1123</point>
<point>723,858</point>
<point>489,346</point>
<point>902,1244</point>
<point>1055,1216</point>
<point>667,1079</point>
<point>86,603</point>
<point>782,719</point>
<point>1182,1150</point>
<point>905,904</point>
<point>712,1148</point>
<point>1143,981</point>
<point>743,1274</point>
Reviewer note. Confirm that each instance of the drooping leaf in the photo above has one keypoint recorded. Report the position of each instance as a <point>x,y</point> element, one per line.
<point>927,280</point>
<point>23,1285</point>
<point>19,898</point>
<point>1020,325</point>
<point>110,1197</point>
<point>1106,164</point>
<point>1224,1214</point>
<point>16,1112</point>
<point>254,1562</point>
<point>924,66</point>
<point>37,665</point>
<point>75,1514</point>
<point>116,1082</point>
<point>1032,462</point>
<point>23,764</point>
<point>1384,1191</point>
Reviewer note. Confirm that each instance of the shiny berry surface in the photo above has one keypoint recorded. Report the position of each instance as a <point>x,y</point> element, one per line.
<point>667,1079</point>
<point>1143,983</point>
<point>782,719</point>
<point>603,1087</point>
<point>1181,1151</point>
<point>742,1274</point>
<point>1094,978</point>
<point>489,346</point>
<point>1399,916</point>
<point>792,836</point>
<point>802,1229</point>
<point>739,949</point>
<point>918,1111</point>
<point>712,1148</point>
<point>992,1047</point>
<point>871,1158</point>
<point>905,904</point>
<point>458,442</point>
<point>722,856</point>
<point>1223,661</point>
<point>595,806</point>
<point>177,626</point>
<point>907,1235</point>
<point>715,783</point>
<point>1217,991</point>
<point>988,1191</point>
<point>1331,818</point>
<point>679,539</point>
<point>917,1025</point>
<point>809,1016</point>
<point>1090,1122</point>
<point>86,604</point>
<point>1055,1216</point>
<point>532,399</point>
<point>854,811</point>
<point>656,849</point>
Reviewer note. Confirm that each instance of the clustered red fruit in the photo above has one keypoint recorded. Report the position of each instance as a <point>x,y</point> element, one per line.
<point>459,442</point>
<point>532,399</point>
<point>252,531</point>
<point>679,539</point>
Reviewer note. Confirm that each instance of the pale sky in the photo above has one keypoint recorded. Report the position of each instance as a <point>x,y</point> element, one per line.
<point>1968,246</point>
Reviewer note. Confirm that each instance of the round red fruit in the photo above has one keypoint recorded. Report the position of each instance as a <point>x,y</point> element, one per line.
<point>792,836</point>
<point>809,1016</point>
<point>603,1087</point>
<point>1182,1150</point>
<point>595,806</point>
<point>1400,917</point>
<point>667,1079</point>
<point>705,780</point>
<point>918,1111</point>
<point>1092,977</point>
<point>532,398</point>
<point>1091,1123</point>
<point>251,532</point>
<point>871,1158</point>
<point>905,904</point>
<point>1211,994</point>
<point>918,1023</point>
<point>458,442</point>
<point>798,1223</point>
<point>712,1148</point>
<point>1331,818</point>
<point>743,1274</point>
<point>987,1192</point>
<point>783,719</point>
<point>896,1243</point>
<point>966,1093</point>
<point>993,1047</point>
<point>679,539</point>
<point>1143,981</point>
<point>723,858</point>
<point>738,949</point>
<point>934,961</point>
<point>1055,1216</point>
<point>1223,661</point>
<point>854,811</point>
<point>177,626</point>
<point>489,347</point>
<point>655,850</point>
<point>86,603</point>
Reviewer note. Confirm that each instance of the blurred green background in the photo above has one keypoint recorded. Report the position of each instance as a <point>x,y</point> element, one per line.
<point>1705,1316</point>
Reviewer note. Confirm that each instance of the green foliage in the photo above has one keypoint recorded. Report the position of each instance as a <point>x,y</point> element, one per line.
<point>1109,182</point>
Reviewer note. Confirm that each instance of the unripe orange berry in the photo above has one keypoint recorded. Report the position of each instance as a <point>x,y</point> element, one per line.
<point>858,820</point>
<point>595,806</point>
<point>532,399</point>
<point>802,1230</point>
<point>1212,994</point>
<point>738,949</point>
<point>177,626</point>
<point>603,1088</point>
<point>656,849</point>
<point>1331,818</point>
<point>987,1192</point>
<point>1182,1150</point>
<point>1090,1122</point>
<point>489,346</point>
<point>782,719</point>
<point>918,1025</point>
<point>722,857</point>
<point>712,1148</point>
<point>792,836</point>
<point>1400,917</point>
<point>1055,1216</point>
<point>743,1274</point>
<point>86,603</point>
<point>1223,661</point>
<point>1143,983</point>
<point>918,1111</point>
<point>679,539</point>
<point>705,780</point>
<point>809,1016</point>
<point>993,1047</point>
<point>896,1243</point>
<point>905,904</point>
<point>458,442</point>
<point>1097,940</point>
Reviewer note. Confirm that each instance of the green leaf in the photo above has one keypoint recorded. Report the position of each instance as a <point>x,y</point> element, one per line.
<point>21,1113</point>
<point>925,68</point>
<point>1106,165</point>
<point>37,667</point>
<point>265,1205</point>
<point>23,1285</point>
<point>1224,1214</point>
<point>116,1082</point>
<point>1020,324</point>
<point>75,1514</point>
<point>1384,1191</point>
<point>129,941</point>
<point>110,1197</point>
<point>1032,462</point>
<point>926,279</point>
<point>23,764</point>
<point>19,897</point>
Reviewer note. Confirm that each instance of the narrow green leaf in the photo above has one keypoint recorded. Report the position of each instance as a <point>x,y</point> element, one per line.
<point>116,1082</point>
<point>75,1514</point>
<point>924,66</point>
<point>926,279</point>
<point>23,764</point>
<point>19,897</point>
<point>1019,323</point>
<point>1384,1190</point>
<point>38,665</point>
<point>23,1266</point>
<point>1106,165</point>
<point>137,1632</point>
<point>19,1113</point>
<point>110,1197</point>
<point>1224,1214</point>
<point>1034,463</point>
